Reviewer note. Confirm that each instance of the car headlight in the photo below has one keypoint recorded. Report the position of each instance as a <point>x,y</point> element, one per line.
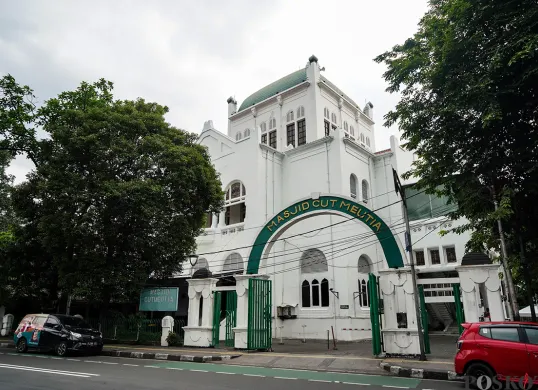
<point>76,335</point>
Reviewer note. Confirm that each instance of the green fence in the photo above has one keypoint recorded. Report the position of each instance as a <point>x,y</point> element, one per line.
<point>259,315</point>
<point>374,314</point>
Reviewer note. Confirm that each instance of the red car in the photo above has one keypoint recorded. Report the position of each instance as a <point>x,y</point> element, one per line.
<point>501,349</point>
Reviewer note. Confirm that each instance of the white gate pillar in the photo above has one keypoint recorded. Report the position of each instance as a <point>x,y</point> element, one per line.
<point>241,329</point>
<point>471,276</point>
<point>394,284</point>
<point>200,333</point>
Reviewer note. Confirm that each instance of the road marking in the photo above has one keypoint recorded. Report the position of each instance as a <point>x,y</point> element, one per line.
<point>287,369</point>
<point>174,368</point>
<point>74,360</point>
<point>49,371</point>
<point>262,376</point>
<point>396,387</point>
<point>130,365</point>
<point>227,373</point>
<point>56,358</point>
<point>283,377</point>
<point>152,366</point>
<point>109,363</point>
<point>199,370</point>
<point>318,380</point>
<point>92,361</point>
<point>367,384</point>
<point>12,354</point>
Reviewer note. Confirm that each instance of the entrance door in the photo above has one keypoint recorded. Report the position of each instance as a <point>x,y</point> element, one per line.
<point>225,307</point>
<point>259,332</point>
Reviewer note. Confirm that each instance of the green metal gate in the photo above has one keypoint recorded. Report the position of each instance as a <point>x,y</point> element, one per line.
<point>229,312</point>
<point>259,331</point>
<point>460,316</point>
<point>374,314</point>
<point>424,319</point>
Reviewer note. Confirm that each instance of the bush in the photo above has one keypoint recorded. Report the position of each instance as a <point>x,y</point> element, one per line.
<point>173,339</point>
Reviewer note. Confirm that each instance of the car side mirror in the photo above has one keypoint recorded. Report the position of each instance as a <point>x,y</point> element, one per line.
<point>57,327</point>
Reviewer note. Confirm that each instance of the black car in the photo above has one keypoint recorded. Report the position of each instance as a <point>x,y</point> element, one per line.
<point>56,332</point>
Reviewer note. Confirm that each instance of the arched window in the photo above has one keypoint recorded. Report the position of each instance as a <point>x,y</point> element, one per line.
<point>353,185</point>
<point>346,126</point>
<point>333,117</point>
<point>363,268</point>
<point>289,116</point>
<point>313,261</point>
<point>324,293</point>
<point>234,203</point>
<point>263,127</point>
<point>247,133</point>
<point>367,141</point>
<point>326,113</point>
<point>272,123</point>
<point>362,138</point>
<point>233,263</point>
<point>365,191</point>
<point>352,131</point>
<point>305,294</point>
<point>315,293</point>
<point>300,112</point>
<point>238,136</point>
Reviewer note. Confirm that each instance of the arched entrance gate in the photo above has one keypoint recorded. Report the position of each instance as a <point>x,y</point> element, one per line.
<point>259,307</point>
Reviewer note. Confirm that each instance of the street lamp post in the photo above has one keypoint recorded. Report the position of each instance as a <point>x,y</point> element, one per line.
<point>193,259</point>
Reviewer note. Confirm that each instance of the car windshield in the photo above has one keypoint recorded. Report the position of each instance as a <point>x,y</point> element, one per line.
<point>73,322</point>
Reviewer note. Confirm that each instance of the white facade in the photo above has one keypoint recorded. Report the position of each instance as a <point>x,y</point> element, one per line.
<point>325,248</point>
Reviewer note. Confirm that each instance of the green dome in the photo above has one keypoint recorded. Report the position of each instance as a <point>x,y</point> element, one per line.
<point>275,88</point>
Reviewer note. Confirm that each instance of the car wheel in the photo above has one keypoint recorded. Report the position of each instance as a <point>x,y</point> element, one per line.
<point>22,345</point>
<point>476,370</point>
<point>61,349</point>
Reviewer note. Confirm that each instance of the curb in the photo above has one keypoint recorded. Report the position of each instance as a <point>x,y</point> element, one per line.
<point>167,356</point>
<point>420,373</point>
<point>157,356</point>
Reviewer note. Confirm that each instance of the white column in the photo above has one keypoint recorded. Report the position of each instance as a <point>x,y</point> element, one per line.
<point>196,335</point>
<point>241,329</point>
<point>222,219</point>
<point>214,221</point>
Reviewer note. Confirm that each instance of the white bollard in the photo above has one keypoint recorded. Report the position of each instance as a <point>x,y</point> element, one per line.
<point>7,324</point>
<point>167,324</point>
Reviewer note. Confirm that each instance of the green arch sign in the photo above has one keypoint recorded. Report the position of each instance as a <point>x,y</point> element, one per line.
<point>328,203</point>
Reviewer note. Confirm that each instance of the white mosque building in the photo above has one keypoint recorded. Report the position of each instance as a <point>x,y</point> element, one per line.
<point>302,138</point>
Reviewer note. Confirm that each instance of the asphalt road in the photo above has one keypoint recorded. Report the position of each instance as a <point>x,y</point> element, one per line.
<point>44,372</point>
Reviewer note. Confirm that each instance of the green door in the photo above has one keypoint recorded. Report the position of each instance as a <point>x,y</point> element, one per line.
<point>424,319</point>
<point>460,317</point>
<point>225,307</point>
<point>259,332</point>
<point>374,314</point>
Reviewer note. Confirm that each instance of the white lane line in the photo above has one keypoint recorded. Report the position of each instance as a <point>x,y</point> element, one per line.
<point>109,363</point>
<point>92,361</point>
<point>226,373</point>
<point>283,377</point>
<point>152,366</point>
<point>262,376</point>
<point>74,360</point>
<point>12,354</point>
<point>48,371</point>
<point>396,387</point>
<point>130,365</point>
<point>56,358</point>
<point>318,380</point>
<point>287,369</point>
<point>174,368</point>
<point>359,384</point>
<point>199,370</point>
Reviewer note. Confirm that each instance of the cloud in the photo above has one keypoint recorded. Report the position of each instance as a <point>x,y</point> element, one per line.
<point>192,55</point>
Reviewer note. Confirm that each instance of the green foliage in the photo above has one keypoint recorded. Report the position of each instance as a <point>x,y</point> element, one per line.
<point>117,194</point>
<point>468,80</point>
<point>173,339</point>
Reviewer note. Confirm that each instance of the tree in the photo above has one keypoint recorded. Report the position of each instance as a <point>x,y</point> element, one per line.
<point>117,195</point>
<point>468,80</point>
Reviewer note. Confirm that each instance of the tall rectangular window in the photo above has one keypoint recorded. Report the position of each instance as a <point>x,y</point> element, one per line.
<point>327,128</point>
<point>434,257</point>
<point>301,132</point>
<point>264,139</point>
<point>272,139</point>
<point>419,258</point>
<point>290,133</point>
<point>450,254</point>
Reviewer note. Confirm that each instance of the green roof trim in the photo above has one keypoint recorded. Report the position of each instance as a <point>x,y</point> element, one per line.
<point>275,88</point>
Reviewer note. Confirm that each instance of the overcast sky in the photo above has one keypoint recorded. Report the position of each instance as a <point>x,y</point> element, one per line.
<point>193,55</point>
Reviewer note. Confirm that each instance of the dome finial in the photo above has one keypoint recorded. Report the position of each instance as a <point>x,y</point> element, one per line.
<point>313,58</point>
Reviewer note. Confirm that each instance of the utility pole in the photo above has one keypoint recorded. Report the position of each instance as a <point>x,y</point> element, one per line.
<point>513,310</point>
<point>409,248</point>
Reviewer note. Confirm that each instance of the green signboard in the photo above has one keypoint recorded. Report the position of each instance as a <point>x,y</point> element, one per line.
<point>159,299</point>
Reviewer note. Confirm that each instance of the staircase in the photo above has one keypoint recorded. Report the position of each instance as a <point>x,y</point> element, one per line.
<point>441,312</point>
